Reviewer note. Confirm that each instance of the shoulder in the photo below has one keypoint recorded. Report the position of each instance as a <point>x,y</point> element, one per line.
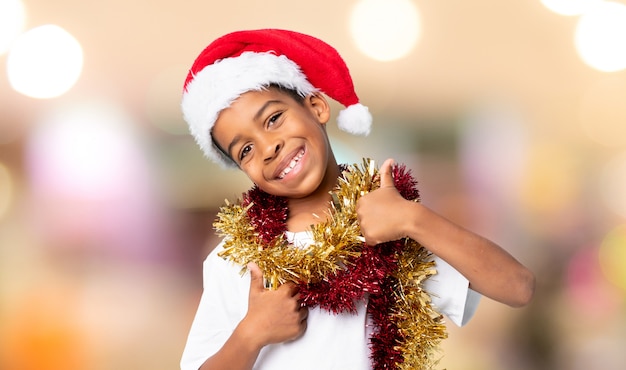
<point>218,271</point>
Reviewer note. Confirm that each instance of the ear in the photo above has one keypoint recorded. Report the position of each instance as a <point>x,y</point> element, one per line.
<point>319,106</point>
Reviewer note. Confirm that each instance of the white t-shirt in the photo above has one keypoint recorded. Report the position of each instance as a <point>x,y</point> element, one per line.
<point>331,341</point>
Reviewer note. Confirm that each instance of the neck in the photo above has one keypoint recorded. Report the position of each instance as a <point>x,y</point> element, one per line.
<point>314,208</point>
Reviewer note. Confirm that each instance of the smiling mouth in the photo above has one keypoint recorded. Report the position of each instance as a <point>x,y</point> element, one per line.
<point>292,164</point>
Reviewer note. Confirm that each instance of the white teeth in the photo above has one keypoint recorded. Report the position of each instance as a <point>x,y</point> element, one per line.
<point>292,164</point>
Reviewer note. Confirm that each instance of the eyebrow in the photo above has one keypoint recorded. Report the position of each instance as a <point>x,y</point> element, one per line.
<point>232,143</point>
<point>260,112</point>
<point>256,117</point>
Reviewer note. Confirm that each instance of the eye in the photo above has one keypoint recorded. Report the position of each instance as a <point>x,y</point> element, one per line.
<point>245,151</point>
<point>273,119</point>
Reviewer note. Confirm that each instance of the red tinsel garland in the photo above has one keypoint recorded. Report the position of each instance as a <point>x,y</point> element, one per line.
<point>368,275</point>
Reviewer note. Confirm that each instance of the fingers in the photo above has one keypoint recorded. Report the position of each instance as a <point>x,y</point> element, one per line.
<point>386,177</point>
<point>257,282</point>
<point>304,314</point>
<point>256,277</point>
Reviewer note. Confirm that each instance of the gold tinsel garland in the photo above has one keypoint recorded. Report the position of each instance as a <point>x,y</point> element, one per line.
<point>337,242</point>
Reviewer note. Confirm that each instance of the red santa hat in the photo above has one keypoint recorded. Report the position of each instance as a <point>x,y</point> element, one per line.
<point>252,60</point>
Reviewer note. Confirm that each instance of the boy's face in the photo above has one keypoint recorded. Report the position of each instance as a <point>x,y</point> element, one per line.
<point>280,143</point>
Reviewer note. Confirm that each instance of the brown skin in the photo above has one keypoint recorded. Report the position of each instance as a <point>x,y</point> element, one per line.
<point>490,269</point>
<point>282,146</point>
<point>263,131</point>
<point>273,316</point>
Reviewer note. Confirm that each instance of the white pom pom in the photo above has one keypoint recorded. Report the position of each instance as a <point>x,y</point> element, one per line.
<point>355,119</point>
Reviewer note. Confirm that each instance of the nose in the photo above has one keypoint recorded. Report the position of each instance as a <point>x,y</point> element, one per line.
<point>271,149</point>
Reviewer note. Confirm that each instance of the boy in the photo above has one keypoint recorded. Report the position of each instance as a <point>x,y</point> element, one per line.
<point>253,100</point>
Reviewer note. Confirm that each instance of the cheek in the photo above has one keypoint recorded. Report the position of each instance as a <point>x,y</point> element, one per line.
<point>323,144</point>
<point>255,176</point>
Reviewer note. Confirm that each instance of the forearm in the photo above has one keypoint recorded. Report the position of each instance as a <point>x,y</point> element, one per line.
<point>490,269</point>
<point>240,352</point>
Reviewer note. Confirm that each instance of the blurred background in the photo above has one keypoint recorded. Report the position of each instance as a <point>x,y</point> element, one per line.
<point>511,115</point>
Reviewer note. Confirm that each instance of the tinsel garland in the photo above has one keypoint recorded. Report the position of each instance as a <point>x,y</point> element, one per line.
<point>338,268</point>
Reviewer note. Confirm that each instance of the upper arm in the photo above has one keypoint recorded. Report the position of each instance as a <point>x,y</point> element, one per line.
<point>222,306</point>
<point>450,293</point>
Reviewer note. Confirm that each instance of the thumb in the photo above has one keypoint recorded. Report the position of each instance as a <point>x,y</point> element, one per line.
<point>256,277</point>
<point>386,177</point>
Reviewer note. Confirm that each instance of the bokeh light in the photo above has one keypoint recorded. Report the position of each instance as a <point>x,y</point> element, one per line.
<point>92,184</point>
<point>12,19</point>
<point>601,35</point>
<point>44,62</point>
<point>613,185</point>
<point>587,287</point>
<point>385,30</point>
<point>569,7</point>
<point>613,256</point>
<point>551,182</point>
<point>495,127</point>
<point>601,112</point>
<point>42,323</point>
<point>84,150</point>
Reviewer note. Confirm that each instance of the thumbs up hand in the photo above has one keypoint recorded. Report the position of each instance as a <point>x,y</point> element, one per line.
<point>383,213</point>
<point>273,316</point>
